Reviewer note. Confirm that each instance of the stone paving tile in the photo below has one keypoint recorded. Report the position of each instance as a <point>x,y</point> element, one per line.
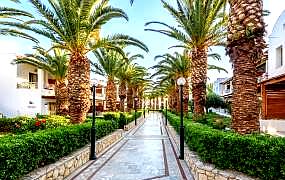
<point>144,154</point>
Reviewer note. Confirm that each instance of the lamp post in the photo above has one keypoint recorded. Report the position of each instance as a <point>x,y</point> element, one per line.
<point>135,105</point>
<point>144,109</point>
<point>181,82</point>
<point>93,128</point>
<point>166,113</point>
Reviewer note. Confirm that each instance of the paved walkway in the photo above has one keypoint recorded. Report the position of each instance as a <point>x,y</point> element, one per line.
<point>145,153</point>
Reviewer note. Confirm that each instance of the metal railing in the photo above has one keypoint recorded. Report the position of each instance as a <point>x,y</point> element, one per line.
<point>27,85</point>
<point>48,92</point>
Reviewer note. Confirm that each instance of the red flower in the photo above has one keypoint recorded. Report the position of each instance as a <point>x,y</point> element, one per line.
<point>44,121</point>
<point>38,123</point>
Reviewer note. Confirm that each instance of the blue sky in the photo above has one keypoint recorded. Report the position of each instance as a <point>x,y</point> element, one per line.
<point>141,12</point>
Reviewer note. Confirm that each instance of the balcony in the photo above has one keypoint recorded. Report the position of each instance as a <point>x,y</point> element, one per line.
<point>48,92</point>
<point>27,85</point>
<point>227,92</point>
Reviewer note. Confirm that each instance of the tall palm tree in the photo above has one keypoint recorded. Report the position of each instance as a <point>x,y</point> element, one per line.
<point>71,25</point>
<point>56,65</point>
<point>138,74</point>
<point>172,67</point>
<point>109,63</point>
<point>124,75</point>
<point>16,15</point>
<point>201,24</point>
<point>245,47</point>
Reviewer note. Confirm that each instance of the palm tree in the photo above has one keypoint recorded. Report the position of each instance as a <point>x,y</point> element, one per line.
<point>71,25</point>
<point>124,75</point>
<point>245,47</point>
<point>172,67</point>
<point>109,63</point>
<point>137,75</point>
<point>16,15</point>
<point>201,24</point>
<point>56,65</point>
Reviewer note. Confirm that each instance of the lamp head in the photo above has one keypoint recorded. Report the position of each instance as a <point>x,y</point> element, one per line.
<point>94,82</point>
<point>181,81</point>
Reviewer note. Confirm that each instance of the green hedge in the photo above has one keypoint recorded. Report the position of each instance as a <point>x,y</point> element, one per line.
<point>121,119</point>
<point>20,154</point>
<point>22,124</point>
<point>256,155</point>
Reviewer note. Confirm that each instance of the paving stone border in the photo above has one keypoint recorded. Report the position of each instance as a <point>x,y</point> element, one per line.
<point>205,171</point>
<point>66,165</point>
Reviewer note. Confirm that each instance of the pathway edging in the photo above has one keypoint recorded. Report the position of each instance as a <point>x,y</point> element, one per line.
<point>205,171</point>
<point>68,164</point>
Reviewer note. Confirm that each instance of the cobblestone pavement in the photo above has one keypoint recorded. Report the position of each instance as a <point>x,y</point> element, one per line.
<point>145,153</point>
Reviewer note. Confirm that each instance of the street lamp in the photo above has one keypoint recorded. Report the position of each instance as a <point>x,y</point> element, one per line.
<point>166,113</point>
<point>144,109</point>
<point>181,82</point>
<point>93,128</point>
<point>135,105</point>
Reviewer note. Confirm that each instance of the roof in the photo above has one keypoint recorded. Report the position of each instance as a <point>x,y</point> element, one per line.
<point>227,80</point>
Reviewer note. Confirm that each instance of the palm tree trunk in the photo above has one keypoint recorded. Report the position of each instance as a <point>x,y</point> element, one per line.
<point>111,95</point>
<point>122,95</point>
<point>61,95</point>
<point>245,47</point>
<point>185,97</point>
<point>245,113</point>
<point>78,87</point>
<point>199,80</point>
<point>130,100</point>
<point>157,103</point>
<point>177,99</point>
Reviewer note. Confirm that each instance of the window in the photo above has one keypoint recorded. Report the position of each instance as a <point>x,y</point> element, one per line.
<point>33,77</point>
<point>279,56</point>
<point>228,86</point>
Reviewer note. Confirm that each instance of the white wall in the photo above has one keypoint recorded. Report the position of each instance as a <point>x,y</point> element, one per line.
<point>276,39</point>
<point>15,101</point>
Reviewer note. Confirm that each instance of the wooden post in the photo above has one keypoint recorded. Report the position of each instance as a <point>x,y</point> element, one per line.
<point>264,101</point>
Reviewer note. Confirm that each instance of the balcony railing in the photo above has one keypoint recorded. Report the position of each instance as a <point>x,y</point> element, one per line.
<point>227,91</point>
<point>48,92</point>
<point>27,85</point>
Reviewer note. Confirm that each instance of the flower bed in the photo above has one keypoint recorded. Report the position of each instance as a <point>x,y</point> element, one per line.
<point>20,154</point>
<point>255,155</point>
<point>23,124</point>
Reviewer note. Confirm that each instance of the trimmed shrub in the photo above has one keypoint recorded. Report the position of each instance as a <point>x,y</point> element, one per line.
<point>257,155</point>
<point>121,119</point>
<point>8,124</point>
<point>21,154</point>
<point>23,124</point>
<point>111,116</point>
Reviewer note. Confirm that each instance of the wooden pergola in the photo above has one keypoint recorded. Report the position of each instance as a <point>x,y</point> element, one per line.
<point>273,97</point>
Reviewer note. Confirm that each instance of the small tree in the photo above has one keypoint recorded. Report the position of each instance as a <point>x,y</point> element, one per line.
<point>214,100</point>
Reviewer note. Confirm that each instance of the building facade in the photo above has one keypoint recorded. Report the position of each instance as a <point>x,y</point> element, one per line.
<point>218,86</point>
<point>272,84</point>
<point>26,90</point>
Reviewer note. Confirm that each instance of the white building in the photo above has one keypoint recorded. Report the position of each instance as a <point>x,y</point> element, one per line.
<point>26,90</point>
<point>218,87</point>
<point>273,84</point>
